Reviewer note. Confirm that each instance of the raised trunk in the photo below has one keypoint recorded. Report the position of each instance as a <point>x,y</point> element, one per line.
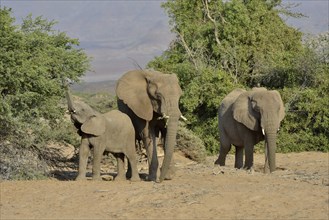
<point>69,100</point>
<point>170,144</point>
<point>270,144</point>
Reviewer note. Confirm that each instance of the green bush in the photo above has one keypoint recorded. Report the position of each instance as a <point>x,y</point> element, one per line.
<point>35,59</point>
<point>306,125</point>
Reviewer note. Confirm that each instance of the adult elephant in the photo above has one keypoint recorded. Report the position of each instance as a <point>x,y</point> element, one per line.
<point>246,118</point>
<point>151,98</point>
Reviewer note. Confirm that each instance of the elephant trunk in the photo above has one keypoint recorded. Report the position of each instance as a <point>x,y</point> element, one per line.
<point>270,124</point>
<point>270,144</point>
<point>170,143</point>
<point>77,123</point>
<point>69,100</point>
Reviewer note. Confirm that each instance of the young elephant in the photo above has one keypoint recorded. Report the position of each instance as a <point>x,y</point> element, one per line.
<point>112,132</point>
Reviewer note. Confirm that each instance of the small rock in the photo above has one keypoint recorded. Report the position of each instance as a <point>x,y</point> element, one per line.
<point>107,177</point>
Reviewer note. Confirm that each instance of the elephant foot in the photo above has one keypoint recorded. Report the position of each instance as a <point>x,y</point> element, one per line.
<point>97,178</point>
<point>80,178</point>
<point>170,174</point>
<point>220,162</point>
<point>120,178</point>
<point>167,177</point>
<point>249,170</point>
<point>151,178</point>
<point>267,169</point>
<point>135,179</point>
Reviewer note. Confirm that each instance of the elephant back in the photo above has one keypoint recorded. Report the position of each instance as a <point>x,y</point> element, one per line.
<point>118,120</point>
<point>230,99</point>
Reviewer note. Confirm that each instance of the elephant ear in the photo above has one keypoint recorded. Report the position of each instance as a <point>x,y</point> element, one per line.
<point>94,126</point>
<point>244,113</point>
<point>132,90</point>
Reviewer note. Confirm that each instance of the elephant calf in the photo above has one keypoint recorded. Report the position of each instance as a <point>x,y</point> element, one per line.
<point>112,132</point>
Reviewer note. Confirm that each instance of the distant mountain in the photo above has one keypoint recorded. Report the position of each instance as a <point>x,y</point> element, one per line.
<point>95,87</point>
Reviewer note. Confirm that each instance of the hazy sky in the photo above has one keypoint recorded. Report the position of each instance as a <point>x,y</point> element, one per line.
<point>119,33</point>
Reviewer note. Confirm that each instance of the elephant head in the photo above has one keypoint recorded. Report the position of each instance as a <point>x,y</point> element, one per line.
<point>151,94</point>
<point>261,110</point>
<point>84,117</point>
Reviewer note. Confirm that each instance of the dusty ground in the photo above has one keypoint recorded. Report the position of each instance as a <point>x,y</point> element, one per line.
<point>297,190</point>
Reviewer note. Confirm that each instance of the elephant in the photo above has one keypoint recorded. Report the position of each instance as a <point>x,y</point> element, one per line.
<point>151,99</point>
<point>109,132</point>
<point>245,118</point>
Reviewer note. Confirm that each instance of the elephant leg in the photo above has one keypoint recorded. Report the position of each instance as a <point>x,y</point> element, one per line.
<point>129,171</point>
<point>172,169</point>
<point>238,157</point>
<point>223,151</point>
<point>249,157</point>
<point>151,150</point>
<point>132,163</point>
<point>98,154</point>
<point>83,158</point>
<point>120,166</point>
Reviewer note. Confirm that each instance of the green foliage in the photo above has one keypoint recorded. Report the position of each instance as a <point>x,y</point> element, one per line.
<point>306,126</point>
<point>221,45</point>
<point>246,39</point>
<point>200,104</point>
<point>34,61</point>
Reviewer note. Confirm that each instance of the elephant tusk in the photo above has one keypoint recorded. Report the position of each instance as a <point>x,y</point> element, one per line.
<point>263,131</point>
<point>164,116</point>
<point>182,117</point>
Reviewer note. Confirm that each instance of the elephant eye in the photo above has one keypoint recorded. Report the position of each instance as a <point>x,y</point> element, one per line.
<point>157,95</point>
<point>152,90</point>
<point>254,105</point>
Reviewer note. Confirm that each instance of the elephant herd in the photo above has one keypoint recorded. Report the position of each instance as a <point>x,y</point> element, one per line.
<point>148,107</point>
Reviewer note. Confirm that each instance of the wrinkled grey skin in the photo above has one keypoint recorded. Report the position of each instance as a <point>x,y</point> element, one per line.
<point>151,98</point>
<point>245,118</point>
<point>112,132</point>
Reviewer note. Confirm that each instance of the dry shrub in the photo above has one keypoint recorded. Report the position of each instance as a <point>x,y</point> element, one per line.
<point>19,163</point>
<point>190,144</point>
